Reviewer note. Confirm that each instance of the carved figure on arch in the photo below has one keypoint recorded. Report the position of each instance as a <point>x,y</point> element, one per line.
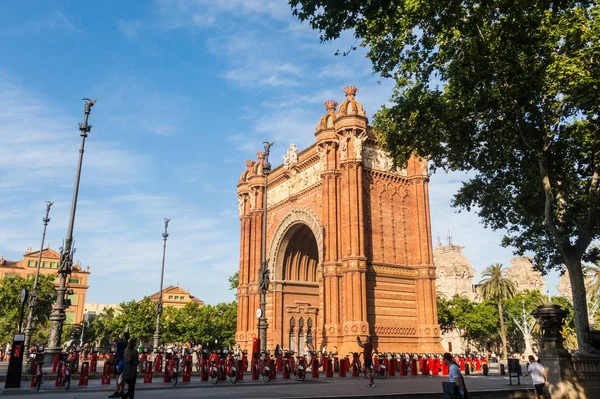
<point>358,144</point>
<point>291,157</point>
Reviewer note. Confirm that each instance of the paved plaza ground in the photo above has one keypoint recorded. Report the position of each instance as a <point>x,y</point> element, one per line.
<point>491,386</point>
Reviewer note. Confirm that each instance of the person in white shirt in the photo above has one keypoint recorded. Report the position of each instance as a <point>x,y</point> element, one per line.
<point>455,377</point>
<point>538,375</point>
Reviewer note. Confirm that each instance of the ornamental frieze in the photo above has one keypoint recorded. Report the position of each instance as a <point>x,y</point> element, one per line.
<point>377,159</point>
<point>394,271</point>
<point>298,182</point>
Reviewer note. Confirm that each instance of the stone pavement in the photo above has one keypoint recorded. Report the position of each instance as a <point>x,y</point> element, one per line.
<point>352,387</point>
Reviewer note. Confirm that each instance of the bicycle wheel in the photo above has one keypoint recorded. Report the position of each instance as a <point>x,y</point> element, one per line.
<point>233,376</point>
<point>214,376</point>
<point>266,376</point>
<point>300,374</point>
<point>382,373</point>
<point>174,379</point>
<point>38,380</point>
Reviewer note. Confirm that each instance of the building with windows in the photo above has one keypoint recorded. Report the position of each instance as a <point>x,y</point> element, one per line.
<point>78,281</point>
<point>176,297</point>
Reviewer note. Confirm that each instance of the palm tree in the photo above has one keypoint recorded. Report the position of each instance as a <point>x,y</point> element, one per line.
<point>495,285</point>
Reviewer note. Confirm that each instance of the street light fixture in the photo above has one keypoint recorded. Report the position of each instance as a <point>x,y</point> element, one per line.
<point>159,305</point>
<point>58,316</point>
<point>33,300</point>
<point>263,276</point>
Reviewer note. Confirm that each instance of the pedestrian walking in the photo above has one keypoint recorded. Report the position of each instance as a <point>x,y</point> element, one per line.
<point>368,357</point>
<point>538,375</point>
<point>455,387</point>
<point>130,365</point>
<point>118,364</point>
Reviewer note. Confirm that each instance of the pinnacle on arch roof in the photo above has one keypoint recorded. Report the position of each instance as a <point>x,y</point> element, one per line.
<point>350,91</point>
<point>350,106</point>
<point>327,119</point>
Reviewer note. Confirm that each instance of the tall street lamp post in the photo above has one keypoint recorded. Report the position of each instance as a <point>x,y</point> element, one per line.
<point>33,300</point>
<point>57,317</point>
<point>85,318</point>
<point>263,277</point>
<point>159,305</point>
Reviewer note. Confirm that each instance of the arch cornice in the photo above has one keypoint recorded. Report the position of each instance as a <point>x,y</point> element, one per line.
<point>296,216</point>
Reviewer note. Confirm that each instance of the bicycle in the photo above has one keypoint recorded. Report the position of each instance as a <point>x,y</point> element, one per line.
<point>232,369</point>
<point>263,370</point>
<point>39,362</point>
<point>64,371</point>
<point>382,371</point>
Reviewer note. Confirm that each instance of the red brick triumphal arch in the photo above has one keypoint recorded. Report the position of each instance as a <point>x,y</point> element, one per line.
<point>348,243</point>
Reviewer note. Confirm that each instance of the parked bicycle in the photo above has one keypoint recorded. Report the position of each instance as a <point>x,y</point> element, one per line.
<point>382,371</point>
<point>64,370</point>
<point>232,368</point>
<point>38,363</point>
<point>262,367</point>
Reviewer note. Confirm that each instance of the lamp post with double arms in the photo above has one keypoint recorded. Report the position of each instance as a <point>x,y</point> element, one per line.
<point>159,305</point>
<point>263,277</point>
<point>33,300</point>
<point>58,316</point>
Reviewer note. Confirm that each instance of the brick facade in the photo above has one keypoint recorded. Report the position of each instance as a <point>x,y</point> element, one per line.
<point>348,243</point>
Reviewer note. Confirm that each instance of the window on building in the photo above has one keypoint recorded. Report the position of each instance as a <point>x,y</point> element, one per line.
<point>45,265</point>
<point>301,336</point>
<point>73,299</point>
<point>309,332</point>
<point>73,280</point>
<point>70,317</point>
<point>292,336</point>
<point>52,265</point>
<point>170,296</point>
<point>32,263</point>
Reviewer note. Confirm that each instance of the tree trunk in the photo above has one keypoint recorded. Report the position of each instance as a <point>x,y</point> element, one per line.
<point>579,302</point>
<point>502,330</point>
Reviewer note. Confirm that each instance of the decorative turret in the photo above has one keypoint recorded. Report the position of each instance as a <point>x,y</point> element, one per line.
<point>326,121</point>
<point>350,106</point>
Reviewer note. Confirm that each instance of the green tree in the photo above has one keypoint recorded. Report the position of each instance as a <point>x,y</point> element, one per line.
<point>234,281</point>
<point>506,90</point>
<point>137,317</point>
<point>445,317</point>
<point>568,331</point>
<point>495,286</point>
<point>10,311</point>
<point>477,322</point>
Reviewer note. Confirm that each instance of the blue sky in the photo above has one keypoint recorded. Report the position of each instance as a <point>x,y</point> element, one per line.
<point>187,91</point>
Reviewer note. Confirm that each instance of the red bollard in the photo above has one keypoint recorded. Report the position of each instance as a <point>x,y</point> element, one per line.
<point>392,367</point>
<point>273,369</point>
<point>425,367</point>
<point>58,371</point>
<point>75,362</point>
<point>158,363</point>
<point>287,368</point>
<point>168,371</point>
<point>143,357</point>
<point>240,370</point>
<point>148,373</point>
<point>444,368</point>
<point>355,365</point>
<point>255,363</point>
<point>106,373</point>
<point>245,362</point>
<point>55,362</point>
<point>314,366</point>
<point>413,366</point>
<point>461,363</point>
<point>329,364</point>
<point>342,372</point>
<point>403,367</point>
<point>85,371</point>
<point>94,363</point>
<point>477,364</point>
<point>203,369</point>
<point>279,363</point>
<point>435,370</point>
<point>187,370</point>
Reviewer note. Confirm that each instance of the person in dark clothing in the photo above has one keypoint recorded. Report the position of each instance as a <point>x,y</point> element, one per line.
<point>131,361</point>
<point>119,354</point>
<point>368,356</point>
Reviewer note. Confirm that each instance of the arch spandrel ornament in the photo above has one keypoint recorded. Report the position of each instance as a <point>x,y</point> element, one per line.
<point>296,217</point>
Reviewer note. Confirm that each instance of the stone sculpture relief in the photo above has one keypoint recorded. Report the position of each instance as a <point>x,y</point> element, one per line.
<point>358,141</point>
<point>291,157</point>
<point>376,159</point>
<point>298,182</point>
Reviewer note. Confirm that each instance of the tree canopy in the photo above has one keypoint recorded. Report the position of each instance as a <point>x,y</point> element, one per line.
<point>10,291</point>
<point>506,90</point>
